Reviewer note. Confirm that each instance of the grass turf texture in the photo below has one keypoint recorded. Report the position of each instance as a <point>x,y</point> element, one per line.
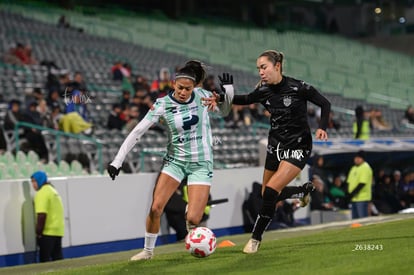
<point>311,250</point>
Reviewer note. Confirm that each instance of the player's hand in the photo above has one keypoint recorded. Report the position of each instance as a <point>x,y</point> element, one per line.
<point>226,79</point>
<point>113,171</point>
<point>321,134</point>
<point>211,102</point>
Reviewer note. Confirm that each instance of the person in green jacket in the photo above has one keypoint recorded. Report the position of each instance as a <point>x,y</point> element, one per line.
<point>360,178</point>
<point>360,127</point>
<point>50,223</point>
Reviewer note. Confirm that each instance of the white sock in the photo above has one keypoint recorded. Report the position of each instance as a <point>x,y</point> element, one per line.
<point>150,240</point>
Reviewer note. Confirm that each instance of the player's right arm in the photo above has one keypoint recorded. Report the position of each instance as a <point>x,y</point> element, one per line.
<point>150,118</point>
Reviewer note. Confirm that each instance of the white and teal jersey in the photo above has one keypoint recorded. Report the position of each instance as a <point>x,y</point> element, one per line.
<point>188,124</point>
<point>189,132</point>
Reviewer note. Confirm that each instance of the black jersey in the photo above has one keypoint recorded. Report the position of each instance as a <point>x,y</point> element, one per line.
<point>287,104</point>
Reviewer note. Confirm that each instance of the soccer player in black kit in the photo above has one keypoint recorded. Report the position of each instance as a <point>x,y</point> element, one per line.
<point>290,139</point>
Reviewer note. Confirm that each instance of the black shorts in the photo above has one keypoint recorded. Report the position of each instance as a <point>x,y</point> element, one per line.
<point>296,156</point>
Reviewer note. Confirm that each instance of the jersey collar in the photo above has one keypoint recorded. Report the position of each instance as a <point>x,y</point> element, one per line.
<point>170,94</point>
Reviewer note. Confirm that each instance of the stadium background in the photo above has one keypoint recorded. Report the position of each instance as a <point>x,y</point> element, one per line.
<point>228,35</point>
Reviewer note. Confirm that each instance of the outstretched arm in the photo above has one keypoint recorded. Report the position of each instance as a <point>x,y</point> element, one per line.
<point>150,118</point>
<point>130,142</point>
<point>225,100</point>
<point>226,83</point>
<point>222,102</point>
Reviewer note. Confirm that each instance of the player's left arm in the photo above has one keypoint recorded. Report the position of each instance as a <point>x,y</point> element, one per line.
<point>314,96</point>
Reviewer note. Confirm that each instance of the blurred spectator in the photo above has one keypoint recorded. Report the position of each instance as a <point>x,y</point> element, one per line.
<point>259,114</point>
<point>63,22</point>
<point>54,117</point>
<point>53,100</point>
<point>24,54</point>
<point>377,121</point>
<point>210,85</point>
<point>396,178</point>
<point>127,85</point>
<point>3,143</point>
<point>76,101</point>
<point>74,123</point>
<point>10,56</point>
<point>361,128</point>
<point>143,102</point>
<point>338,193</point>
<point>36,94</point>
<point>34,136</point>
<point>378,176</point>
<point>78,82</point>
<point>133,120</point>
<point>114,119</point>
<point>126,70</point>
<point>58,81</point>
<point>120,70</point>
<point>385,196</point>
<point>13,114</point>
<point>320,197</point>
<point>125,99</point>
<point>76,117</point>
<point>44,113</point>
<point>116,71</point>
<point>333,123</point>
<point>406,190</point>
<point>284,215</point>
<point>318,169</point>
<point>239,116</point>
<point>141,82</point>
<point>409,115</point>
<point>125,113</point>
<point>163,84</point>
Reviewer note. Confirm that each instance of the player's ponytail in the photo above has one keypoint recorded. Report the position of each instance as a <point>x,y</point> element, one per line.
<point>199,70</point>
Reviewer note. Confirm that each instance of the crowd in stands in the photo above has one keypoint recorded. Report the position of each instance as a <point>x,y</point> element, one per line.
<point>62,103</point>
<point>392,190</point>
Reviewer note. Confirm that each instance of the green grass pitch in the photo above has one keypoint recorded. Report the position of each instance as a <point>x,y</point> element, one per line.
<point>379,246</point>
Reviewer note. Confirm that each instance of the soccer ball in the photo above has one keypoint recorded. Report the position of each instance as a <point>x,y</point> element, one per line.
<point>200,242</point>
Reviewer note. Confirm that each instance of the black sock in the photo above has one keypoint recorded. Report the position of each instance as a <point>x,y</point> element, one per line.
<point>292,192</point>
<point>266,213</point>
<point>262,222</point>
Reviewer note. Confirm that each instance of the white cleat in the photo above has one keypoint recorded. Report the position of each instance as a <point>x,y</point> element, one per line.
<point>305,200</point>
<point>251,247</point>
<point>309,187</point>
<point>143,255</point>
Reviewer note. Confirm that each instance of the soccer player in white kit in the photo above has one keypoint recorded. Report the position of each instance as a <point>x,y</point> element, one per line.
<point>189,149</point>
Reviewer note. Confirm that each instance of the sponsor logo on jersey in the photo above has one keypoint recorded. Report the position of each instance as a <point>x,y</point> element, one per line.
<point>182,138</point>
